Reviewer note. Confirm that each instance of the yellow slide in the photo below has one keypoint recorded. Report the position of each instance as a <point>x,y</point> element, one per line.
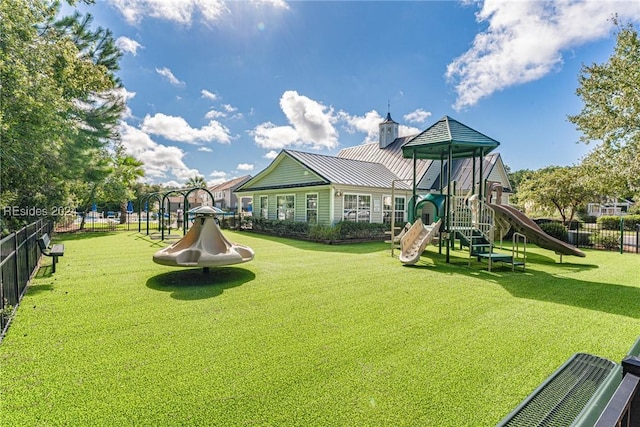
<point>416,239</point>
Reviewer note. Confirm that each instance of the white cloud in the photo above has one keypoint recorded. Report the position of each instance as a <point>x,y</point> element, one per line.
<point>205,149</point>
<point>179,11</point>
<point>311,125</point>
<point>209,95</point>
<point>166,73</point>
<point>244,167</point>
<point>126,96</point>
<point>213,114</point>
<point>278,4</point>
<point>182,11</point>
<point>177,129</point>
<point>172,184</point>
<point>310,119</point>
<point>127,45</point>
<point>214,182</point>
<point>408,130</point>
<point>159,160</point>
<point>525,39</point>
<point>218,178</point>
<point>268,135</point>
<point>367,124</point>
<point>229,108</point>
<point>271,155</point>
<point>218,174</point>
<point>120,94</point>
<point>417,116</point>
<point>212,10</point>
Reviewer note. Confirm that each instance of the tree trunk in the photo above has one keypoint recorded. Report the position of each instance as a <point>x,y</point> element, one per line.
<point>123,212</point>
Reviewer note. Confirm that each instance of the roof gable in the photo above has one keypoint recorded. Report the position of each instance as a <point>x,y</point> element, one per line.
<point>339,170</point>
<point>284,171</point>
<point>448,134</point>
<point>230,184</point>
<point>297,168</point>
<point>462,173</point>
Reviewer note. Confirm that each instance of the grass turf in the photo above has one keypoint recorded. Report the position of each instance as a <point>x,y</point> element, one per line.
<point>306,334</point>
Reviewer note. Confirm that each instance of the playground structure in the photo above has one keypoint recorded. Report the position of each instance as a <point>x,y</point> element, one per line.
<point>203,246</point>
<point>471,218</point>
<point>416,239</point>
<point>162,198</point>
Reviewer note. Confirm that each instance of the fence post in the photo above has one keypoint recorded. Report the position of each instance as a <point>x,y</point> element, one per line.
<point>17,267</point>
<point>621,235</point>
<point>637,236</point>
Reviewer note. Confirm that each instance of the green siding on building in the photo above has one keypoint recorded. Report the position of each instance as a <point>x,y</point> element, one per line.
<point>377,205</point>
<point>324,202</point>
<point>288,172</point>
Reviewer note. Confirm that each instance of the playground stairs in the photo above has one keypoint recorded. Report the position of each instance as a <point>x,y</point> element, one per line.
<point>482,249</point>
<point>474,224</point>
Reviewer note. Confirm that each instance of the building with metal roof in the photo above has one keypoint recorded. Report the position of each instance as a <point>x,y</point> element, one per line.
<point>225,197</point>
<point>366,182</point>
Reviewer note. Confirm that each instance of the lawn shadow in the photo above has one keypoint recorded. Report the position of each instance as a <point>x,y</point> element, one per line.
<point>194,284</point>
<point>36,289</point>
<point>604,297</point>
<point>44,271</point>
<point>548,287</point>
<point>152,242</point>
<point>68,236</point>
<point>355,247</point>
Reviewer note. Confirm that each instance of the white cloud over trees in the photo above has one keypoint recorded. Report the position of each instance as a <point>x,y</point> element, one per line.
<point>177,129</point>
<point>310,125</point>
<point>525,40</point>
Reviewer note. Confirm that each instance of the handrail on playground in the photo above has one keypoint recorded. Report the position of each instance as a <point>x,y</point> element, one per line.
<point>165,194</point>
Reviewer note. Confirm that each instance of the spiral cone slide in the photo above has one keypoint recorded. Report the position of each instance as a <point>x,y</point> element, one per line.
<point>204,245</point>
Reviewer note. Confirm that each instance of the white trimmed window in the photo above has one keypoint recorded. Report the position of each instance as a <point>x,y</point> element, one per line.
<point>286,207</point>
<point>399,208</point>
<point>264,207</point>
<point>312,208</point>
<point>357,207</point>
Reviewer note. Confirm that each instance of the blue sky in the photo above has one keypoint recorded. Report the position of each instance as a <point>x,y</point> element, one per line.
<point>217,88</point>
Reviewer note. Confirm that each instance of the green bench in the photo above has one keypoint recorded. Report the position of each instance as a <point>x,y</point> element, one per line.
<point>53,251</point>
<point>587,390</point>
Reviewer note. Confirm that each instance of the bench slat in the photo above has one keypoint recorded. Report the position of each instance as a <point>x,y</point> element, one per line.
<point>563,396</point>
<point>57,250</point>
<point>54,251</point>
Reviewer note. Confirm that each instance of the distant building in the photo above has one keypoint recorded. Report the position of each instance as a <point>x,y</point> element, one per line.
<point>610,206</point>
<point>225,197</point>
<point>195,199</point>
<point>357,184</point>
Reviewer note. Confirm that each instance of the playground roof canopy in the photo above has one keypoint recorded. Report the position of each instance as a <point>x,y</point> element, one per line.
<point>447,133</point>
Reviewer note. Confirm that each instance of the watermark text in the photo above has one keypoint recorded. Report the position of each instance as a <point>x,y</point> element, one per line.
<point>35,211</point>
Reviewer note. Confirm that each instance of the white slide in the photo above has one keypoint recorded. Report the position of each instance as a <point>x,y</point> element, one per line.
<point>416,239</point>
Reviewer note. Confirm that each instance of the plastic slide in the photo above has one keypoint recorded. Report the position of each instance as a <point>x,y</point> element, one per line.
<point>525,225</point>
<point>203,246</point>
<point>416,239</point>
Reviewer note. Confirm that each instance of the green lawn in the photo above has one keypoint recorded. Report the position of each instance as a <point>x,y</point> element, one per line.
<point>305,334</point>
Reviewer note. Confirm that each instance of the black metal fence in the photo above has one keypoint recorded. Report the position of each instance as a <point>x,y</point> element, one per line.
<point>19,256</point>
<point>100,223</point>
<point>590,235</point>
